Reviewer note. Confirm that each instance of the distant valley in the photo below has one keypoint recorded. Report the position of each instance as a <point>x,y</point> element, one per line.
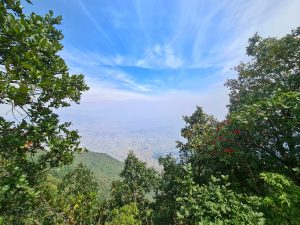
<point>148,144</point>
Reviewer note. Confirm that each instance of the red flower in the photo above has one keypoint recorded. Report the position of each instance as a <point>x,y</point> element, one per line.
<point>213,142</point>
<point>237,131</point>
<point>229,150</point>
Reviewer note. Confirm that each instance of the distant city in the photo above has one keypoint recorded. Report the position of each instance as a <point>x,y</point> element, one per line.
<point>148,144</point>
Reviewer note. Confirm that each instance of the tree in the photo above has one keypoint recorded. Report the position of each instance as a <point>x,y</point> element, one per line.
<point>34,81</point>
<point>273,65</point>
<point>126,215</point>
<point>264,103</point>
<point>165,199</point>
<point>136,181</point>
<point>137,184</point>
<point>198,134</point>
<point>271,129</point>
<point>261,131</point>
<point>77,197</point>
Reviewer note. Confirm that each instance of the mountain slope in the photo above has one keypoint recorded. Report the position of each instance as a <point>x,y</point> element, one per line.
<point>104,167</point>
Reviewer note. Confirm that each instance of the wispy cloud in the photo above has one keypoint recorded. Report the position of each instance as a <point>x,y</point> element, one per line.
<point>105,73</point>
<point>147,48</point>
<point>239,20</point>
<point>93,20</point>
<point>127,80</point>
<point>160,57</point>
<point>101,93</point>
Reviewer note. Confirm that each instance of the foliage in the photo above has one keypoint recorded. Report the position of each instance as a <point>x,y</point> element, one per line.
<point>214,203</point>
<point>197,133</point>
<point>213,148</point>
<point>274,65</point>
<point>264,105</point>
<point>137,176</point>
<point>165,199</point>
<point>272,127</point>
<point>136,181</point>
<point>105,170</point>
<point>282,203</point>
<point>136,184</point>
<point>34,81</point>
<point>77,196</point>
<point>74,201</point>
<point>126,215</point>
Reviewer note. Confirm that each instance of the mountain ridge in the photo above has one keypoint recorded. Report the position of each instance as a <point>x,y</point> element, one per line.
<point>104,167</point>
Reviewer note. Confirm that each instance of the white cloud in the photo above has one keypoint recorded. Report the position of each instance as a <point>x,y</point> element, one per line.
<point>98,94</point>
<point>119,60</point>
<point>125,78</point>
<point>161,57</point>
<point>268,18</point>
<point>95,67</point>
<point>84,59</point>
<point>219,30</point>
<point>171,60</point>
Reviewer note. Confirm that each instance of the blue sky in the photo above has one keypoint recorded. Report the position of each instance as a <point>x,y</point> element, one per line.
<point>149,62</point>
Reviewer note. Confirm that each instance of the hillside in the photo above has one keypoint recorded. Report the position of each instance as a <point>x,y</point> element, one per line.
<point>104,167</point>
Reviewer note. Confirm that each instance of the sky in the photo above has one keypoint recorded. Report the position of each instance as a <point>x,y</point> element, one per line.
<point>149,62</point>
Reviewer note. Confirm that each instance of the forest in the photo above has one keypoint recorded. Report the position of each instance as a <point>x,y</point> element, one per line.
<point>242,170</point>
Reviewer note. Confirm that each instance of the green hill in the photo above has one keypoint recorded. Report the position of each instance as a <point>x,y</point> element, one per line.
<point>104,167</point>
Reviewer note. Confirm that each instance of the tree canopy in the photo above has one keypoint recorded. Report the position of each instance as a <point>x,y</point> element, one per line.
<point>34,81</point>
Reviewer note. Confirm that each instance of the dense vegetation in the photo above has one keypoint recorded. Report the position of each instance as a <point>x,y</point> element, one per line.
<point>243,170</point>
<point>105,170</point>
